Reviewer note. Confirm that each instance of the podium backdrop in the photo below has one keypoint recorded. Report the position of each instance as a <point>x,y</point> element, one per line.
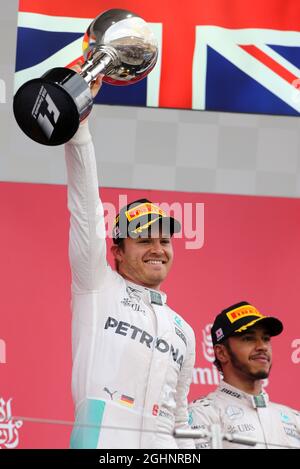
<point>251,252</point>
<point>217,55</point>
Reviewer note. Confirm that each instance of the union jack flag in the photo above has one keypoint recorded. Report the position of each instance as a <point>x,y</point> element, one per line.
<point>222,55</point>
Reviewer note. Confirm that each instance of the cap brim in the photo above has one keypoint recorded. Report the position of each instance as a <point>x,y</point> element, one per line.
<point>273,325</point>
<point>164,225</point>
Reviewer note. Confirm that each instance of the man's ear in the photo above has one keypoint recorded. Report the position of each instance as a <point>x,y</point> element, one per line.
<point>115,250</point>
<point>221,353</point>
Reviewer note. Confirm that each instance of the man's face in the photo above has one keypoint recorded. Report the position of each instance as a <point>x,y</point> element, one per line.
<point>250,353</point>
<point>146,261</point>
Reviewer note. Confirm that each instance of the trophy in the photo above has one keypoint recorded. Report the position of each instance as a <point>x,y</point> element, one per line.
<point>118,44</point>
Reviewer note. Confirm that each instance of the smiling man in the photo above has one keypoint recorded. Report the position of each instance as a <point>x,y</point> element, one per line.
<point>143,248</point>
<point>241,337</point>
<point>133,356</point>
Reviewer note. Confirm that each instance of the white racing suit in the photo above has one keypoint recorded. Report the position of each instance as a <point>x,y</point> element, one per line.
<point>132,355</point>
<point>271,425</point>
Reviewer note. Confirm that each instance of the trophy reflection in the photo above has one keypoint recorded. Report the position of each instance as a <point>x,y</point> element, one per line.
<point>118,44</point>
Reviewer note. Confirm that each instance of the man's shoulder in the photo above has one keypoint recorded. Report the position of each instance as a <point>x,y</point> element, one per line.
<point>202,401</point>
<point>111,281</point>
<point>203,411</point>
<point>205,401</point>
<point>285,410</point>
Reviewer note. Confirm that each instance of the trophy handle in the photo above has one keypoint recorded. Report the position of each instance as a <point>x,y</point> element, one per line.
<point>101,60</point>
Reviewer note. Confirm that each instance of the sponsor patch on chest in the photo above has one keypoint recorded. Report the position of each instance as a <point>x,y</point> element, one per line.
<point>133,332</point>
<point>133,305</point>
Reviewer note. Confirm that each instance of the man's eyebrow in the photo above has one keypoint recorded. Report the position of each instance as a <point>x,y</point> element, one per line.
<point>252,332</point>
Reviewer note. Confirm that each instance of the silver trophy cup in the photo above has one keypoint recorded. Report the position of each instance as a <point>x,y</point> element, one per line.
<point>118,44</point>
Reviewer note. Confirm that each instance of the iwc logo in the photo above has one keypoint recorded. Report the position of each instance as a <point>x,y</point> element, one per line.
<point>234,412</point>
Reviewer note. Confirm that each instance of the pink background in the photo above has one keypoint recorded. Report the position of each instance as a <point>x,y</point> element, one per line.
<point>251,252</point>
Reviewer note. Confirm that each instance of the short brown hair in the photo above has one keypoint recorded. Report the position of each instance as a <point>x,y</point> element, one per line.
<point>121,245</point>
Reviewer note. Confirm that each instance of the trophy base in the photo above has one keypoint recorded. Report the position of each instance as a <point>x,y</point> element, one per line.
<point>49,109</point>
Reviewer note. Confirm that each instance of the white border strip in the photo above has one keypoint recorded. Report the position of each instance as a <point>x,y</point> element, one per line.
<point>153,79</point>
<point>279,58</point>
<point>199,74</point>
<point>63,24</point>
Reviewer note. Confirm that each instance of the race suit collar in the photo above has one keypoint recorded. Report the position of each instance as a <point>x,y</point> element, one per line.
<point>261,400</point>
<point>148,295</point>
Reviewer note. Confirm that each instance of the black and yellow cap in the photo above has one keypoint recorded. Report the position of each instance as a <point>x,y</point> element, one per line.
<point>142,218</point>
<point>238,318</point>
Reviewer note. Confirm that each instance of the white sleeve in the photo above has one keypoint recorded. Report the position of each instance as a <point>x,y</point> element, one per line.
<point>183,386</point>
<point>87,244</point>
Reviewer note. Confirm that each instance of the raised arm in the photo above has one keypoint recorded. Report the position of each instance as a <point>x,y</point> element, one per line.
<point>87,244</point>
